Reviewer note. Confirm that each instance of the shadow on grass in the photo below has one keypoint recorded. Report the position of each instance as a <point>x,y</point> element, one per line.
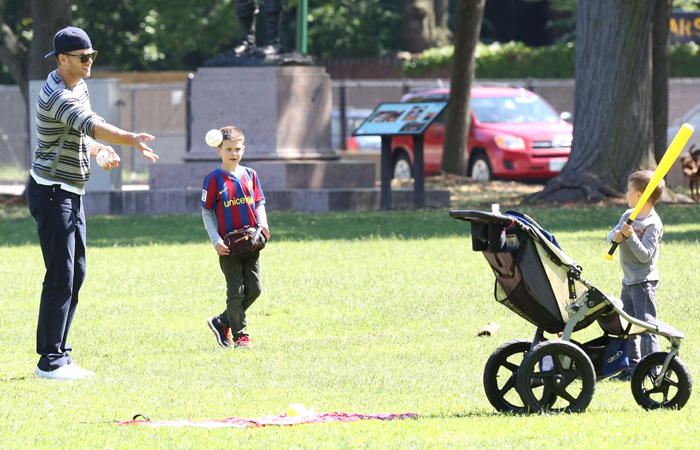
<point>124,231</point>
<point>691,236</point>
<point>109,231</point>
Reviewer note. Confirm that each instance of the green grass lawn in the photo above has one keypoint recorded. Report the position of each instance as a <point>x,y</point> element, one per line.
<point>12,174</point>
<point>362,312</point>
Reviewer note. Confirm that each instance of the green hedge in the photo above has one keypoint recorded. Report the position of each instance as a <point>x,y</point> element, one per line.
<point>516,60</point>
<point>685,60</point>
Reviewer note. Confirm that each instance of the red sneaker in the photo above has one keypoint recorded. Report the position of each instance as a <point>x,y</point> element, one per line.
<point>243,341</point>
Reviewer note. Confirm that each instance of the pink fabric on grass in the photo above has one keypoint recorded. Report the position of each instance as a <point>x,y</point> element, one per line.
<point>241,422</point>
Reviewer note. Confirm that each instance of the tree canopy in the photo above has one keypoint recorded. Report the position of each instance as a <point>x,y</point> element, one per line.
<point>354,28</point>
<point>147,35</point>
<point>181,34</point>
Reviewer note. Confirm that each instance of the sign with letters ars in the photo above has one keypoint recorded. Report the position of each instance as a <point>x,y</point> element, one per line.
<point>685,27</point>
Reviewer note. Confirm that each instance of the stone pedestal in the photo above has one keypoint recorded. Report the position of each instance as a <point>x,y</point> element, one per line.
<point>272,174</point>
<point>187,201</point>
<point>284,112</point>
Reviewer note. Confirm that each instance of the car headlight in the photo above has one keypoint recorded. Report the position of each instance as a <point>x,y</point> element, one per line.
<point>509,142</point>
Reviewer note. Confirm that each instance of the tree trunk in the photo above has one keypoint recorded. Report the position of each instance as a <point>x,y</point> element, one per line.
<point>613,125</point>
<point>442,20</point>
<point>661,41</point>
<point>425,24</point>
<point>48,16</point>
<point>13,54</point>
<point>467,28</point>
<point>25,64</point>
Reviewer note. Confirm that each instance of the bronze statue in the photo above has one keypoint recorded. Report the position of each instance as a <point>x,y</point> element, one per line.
<point>247,10</point>
<point>271,53</point>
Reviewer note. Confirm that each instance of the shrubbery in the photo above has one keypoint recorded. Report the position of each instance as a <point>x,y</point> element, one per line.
<point>516,60</point>
<point>685,60</point>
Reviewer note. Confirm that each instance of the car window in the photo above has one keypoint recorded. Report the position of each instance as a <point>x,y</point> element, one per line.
<point>354,123</point>
<point>335,125</point>
<point>513,109</point>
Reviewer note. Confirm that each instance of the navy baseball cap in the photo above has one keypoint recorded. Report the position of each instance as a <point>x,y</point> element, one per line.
<point>69,39</point>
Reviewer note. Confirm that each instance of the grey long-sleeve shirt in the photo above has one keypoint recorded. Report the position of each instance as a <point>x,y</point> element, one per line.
<point>639,253</point>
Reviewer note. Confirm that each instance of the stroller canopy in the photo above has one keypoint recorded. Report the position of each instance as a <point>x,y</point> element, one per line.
<point>534,277</point>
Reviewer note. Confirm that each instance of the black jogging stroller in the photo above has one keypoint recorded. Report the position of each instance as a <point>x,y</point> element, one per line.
<point>539,282</point>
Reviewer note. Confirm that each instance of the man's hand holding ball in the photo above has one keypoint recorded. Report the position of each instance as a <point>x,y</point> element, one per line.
<point>107,158</point>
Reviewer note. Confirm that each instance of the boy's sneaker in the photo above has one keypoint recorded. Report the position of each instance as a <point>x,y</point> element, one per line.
<point>223,334</point>
<point>69,372</point>
<point>624,376</point>
<point>243,341</point>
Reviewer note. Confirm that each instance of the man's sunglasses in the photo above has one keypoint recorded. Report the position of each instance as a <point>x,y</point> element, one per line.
<point>84,58</point>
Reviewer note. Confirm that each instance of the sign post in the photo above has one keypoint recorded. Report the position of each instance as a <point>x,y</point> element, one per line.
<point>400,119</point>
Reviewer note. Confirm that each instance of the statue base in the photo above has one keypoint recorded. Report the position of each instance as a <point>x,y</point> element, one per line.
<point>284,111</point>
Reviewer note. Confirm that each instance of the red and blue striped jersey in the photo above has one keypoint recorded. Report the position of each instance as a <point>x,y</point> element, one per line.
<point>233,197</point>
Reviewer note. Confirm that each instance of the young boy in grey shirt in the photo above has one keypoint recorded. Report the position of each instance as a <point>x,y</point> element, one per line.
<point>639,253</point>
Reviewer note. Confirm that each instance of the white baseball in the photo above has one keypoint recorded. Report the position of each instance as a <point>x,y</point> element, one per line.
<point>214,138</point>
<point>103,157</point>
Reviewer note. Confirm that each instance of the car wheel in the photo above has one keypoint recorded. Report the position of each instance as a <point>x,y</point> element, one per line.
<point>402,167</point>
<point>481,168</point>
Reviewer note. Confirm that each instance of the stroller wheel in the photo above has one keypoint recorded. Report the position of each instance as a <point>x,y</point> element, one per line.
<point>556,376</point>
<point>500,375</point>
<point>674,390</point>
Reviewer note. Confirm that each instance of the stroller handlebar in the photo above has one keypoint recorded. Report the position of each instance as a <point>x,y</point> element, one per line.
<point>480,216</point>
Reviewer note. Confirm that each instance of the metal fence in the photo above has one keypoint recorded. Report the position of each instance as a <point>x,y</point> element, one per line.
<point>684,95</point>
<point>161,110</point>
<point>157,109</point>
<point>14,137</point>
<point>365,95</point>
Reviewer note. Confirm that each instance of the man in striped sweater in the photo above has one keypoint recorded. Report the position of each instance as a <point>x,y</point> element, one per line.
<point>66,129</point>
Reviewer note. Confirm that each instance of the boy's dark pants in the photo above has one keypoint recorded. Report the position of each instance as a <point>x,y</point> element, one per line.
<point>638,300</point>
<point>61,225</point>
<point>243,286</point>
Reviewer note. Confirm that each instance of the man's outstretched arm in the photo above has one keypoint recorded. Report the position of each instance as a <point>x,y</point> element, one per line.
<point>109,133</point>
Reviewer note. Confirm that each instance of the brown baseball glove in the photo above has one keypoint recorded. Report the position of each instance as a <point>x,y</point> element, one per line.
<point>246,240</point>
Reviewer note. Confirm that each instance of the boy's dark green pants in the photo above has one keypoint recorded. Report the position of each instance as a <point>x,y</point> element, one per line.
<point>243,285</point>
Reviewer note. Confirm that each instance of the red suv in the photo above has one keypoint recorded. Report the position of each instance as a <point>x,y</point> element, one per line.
<point>514,134</point>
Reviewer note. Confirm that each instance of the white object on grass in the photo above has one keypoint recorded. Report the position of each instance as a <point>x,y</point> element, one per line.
<point>298,410</point>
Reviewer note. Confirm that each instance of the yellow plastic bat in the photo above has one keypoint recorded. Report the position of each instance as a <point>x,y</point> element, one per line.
<point>666,162</point>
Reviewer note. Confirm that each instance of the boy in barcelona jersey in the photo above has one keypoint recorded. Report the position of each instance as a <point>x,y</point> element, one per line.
<point>231,200</point>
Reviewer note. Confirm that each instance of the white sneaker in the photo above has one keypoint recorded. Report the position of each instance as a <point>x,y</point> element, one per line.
<point>87,373</point>
<point>63,373</point>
